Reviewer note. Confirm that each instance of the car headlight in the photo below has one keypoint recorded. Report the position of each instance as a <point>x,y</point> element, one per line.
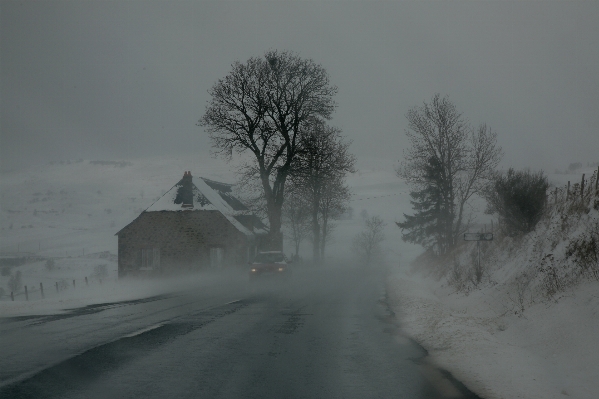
<point>280,269</point>
<point>253,270</point>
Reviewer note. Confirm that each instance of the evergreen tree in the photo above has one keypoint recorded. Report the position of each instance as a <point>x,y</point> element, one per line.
<point>426,226</point>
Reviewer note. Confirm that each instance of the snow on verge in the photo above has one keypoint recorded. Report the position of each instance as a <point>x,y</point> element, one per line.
<point>528,325</point>
<point>551,352</point>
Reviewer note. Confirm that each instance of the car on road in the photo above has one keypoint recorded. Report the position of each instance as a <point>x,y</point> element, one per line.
<point>272,263</point>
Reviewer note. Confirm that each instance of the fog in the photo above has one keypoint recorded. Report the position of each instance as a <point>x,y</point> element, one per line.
<point>120,80</point>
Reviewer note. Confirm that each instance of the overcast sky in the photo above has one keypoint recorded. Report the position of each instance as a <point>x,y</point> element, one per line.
<point>127,79</point>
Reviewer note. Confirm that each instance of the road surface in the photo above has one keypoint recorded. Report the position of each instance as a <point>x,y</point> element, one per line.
<point>322,334</point>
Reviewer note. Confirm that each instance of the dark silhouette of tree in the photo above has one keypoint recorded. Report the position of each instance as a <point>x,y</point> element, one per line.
<point>318,175</point>
<point>262,107</point>
<point>425,226</point>
<point>465,158</point>
<point>334,202</point>
<point>296,217</point>
<point>518,198</point>
<point>367,244</point>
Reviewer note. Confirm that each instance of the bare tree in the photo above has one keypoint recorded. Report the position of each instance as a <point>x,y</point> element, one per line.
<point>262,107</point>
<point>367,244</point>
<point>296,217</point>
<point>334,202</point>
<point>465,159</point>
<point>319,172</point>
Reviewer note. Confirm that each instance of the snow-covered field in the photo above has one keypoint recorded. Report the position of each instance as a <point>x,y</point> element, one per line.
<point>70,211</point>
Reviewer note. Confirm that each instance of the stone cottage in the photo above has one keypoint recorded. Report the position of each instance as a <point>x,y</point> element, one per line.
<point>197,224</point>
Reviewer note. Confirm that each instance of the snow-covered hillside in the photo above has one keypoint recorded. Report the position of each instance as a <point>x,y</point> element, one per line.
<point>76,207</point>
<point>529,328</point>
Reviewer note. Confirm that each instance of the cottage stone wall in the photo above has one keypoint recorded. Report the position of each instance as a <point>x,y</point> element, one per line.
<point>184,239</point>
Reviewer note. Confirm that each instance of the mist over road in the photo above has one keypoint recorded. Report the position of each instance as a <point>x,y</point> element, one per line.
<point>323,334</point>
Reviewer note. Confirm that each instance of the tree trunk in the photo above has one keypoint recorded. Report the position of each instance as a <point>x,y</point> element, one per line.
<point>274,205</point>
<point>315,234</point>
<point>325,219</point>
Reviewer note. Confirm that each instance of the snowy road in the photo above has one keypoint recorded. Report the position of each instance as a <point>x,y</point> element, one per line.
<point>321,335</point>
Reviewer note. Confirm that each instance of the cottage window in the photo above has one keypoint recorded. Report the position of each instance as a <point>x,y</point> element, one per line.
<point>150,258</point>
<point>216,257</point>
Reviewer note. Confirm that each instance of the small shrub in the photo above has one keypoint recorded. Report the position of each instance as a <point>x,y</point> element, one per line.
<point>476,273</point>
<point>367,244</point>
<point>522,285</point>
<point>456,276</point>
<point>552,281</point>
<point>585,253</point>
<point>519,198</point>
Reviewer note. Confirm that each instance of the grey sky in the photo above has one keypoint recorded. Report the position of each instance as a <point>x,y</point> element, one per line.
<point>123,79</point>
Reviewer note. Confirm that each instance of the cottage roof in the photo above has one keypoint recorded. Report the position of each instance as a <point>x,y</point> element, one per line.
<point>200,194</point>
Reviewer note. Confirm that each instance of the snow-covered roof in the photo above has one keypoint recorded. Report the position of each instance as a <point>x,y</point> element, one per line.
<point>207,195</point>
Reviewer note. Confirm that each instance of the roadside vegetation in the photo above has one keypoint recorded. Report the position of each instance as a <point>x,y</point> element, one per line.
<point>544,240</point>
<point>534,261</point>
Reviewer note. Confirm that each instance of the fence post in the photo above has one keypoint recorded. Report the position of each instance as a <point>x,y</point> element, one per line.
<point>73,283</point>
<point>86,281</point>
<point>57,287</point>
<point>12,296</point>
<point>582,187</point>
<point>26,294</point>
<point>42,290</point>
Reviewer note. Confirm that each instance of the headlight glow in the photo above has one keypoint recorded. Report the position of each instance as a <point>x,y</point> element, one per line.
<point>253,270</point>
<point>280,269</point>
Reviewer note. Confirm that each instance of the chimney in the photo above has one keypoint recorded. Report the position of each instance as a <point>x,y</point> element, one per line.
<point>185,191</point>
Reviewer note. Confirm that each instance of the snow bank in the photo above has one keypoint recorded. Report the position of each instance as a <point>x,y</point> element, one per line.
<point>550,352</point>
<point>529,327</point>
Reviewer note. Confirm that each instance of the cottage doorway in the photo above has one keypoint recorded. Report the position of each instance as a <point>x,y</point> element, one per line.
<point>216,257</point>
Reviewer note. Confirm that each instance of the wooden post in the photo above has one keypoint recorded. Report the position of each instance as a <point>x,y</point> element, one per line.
<point>26,294</point>
<point>57,287</point>
<point>86,281</point>
<point>73,283</point>
<point>42,290</point>
<point>582,187</point>
<point>568,193</point>
<point>12,296</point>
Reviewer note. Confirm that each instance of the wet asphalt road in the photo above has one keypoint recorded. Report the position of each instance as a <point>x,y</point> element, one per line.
<point>323,334</point>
